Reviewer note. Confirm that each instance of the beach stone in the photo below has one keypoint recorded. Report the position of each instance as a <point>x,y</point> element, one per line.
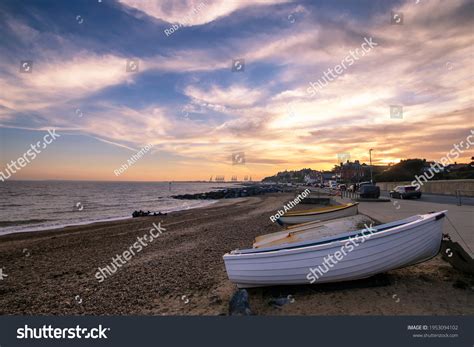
<point>239,304</point>
<point>279,302</point>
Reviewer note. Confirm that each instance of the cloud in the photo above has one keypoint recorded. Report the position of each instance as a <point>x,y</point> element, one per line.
<point>424,65</point>
<point>59,83</point>
<point>60,80</point>
<point>236,96</point>
<point>192,12</point>
<point>185,61</point>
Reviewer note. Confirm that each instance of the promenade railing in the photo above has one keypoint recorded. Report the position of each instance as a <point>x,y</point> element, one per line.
<point>350,195</point>
<point>463,193</point>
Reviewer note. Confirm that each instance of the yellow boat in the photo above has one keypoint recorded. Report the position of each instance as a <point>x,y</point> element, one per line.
<point>319,214</point>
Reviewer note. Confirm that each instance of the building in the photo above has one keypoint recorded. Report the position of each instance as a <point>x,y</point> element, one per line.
<point>352,171</point>
<point>327,176</point>
<point>457,167</point>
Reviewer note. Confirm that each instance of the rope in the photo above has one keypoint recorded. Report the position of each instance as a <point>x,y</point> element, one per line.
<point>449,220</point>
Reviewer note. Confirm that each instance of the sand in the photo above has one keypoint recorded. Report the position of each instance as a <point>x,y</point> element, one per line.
<point>182,272</point>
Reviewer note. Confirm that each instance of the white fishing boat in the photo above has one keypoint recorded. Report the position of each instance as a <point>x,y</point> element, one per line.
<point>312,231</point>
<point>319,214</point>
<point>366,253</point>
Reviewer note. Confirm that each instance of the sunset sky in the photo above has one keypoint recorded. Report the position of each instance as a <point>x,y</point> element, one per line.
<point>185,99</point>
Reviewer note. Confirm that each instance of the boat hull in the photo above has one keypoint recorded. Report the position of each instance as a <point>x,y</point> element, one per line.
<point>383,251</point>
<point>305,218</point>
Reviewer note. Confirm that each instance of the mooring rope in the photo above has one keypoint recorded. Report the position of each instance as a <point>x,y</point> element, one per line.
<point>456,230</point>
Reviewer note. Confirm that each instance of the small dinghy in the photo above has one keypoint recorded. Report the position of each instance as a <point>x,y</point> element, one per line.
<point>312,231</point>
<point>359,254</point>
<point>319,214</point>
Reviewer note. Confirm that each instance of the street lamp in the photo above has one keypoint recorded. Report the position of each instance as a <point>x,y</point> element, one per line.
<point>370,158</point>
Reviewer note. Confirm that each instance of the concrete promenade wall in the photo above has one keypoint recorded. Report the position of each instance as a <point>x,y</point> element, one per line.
<point>446,187</point>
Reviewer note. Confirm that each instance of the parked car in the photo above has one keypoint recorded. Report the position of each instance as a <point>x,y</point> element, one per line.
<point>360,184</point>
<point>369,191</point>
<point>405,192</point>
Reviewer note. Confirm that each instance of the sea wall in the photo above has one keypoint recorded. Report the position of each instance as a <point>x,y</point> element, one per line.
<point>446,187</point>
<point>237,192</point>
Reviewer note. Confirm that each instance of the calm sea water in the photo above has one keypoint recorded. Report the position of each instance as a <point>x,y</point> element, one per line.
<point>39,205</point>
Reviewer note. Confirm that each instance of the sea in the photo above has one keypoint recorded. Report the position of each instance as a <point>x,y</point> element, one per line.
<point>41,205</point>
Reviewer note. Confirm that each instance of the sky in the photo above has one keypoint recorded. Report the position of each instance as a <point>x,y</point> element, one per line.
<point>231,87</point>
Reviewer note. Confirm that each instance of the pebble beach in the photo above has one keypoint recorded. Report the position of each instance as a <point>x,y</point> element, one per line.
<point>181,272</point>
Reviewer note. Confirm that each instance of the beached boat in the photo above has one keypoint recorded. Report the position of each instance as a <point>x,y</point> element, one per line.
<point>319,214</point>
<point>359,254</point>
<point>312,231</point>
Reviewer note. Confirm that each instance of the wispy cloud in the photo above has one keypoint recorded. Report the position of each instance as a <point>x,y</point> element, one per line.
<point>192,12</point>
<point>186,100</point>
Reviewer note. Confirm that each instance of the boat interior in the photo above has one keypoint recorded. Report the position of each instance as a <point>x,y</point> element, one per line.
<point>319,233</point>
